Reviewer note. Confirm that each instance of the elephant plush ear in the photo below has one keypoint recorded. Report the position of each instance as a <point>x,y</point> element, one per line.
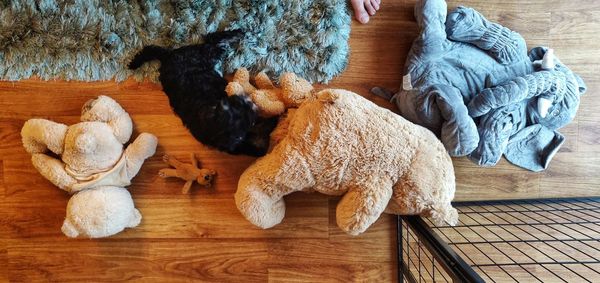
<point>41,135</point>
<point>107,110</point>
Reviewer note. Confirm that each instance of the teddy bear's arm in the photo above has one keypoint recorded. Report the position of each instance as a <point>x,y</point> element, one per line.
<point>106,109</point>
<point>263,82</point>
<point>362,205</point>
<point>53,170</point>
<point>40,135</point>
<point>138,151</point>
<point>469,26</point>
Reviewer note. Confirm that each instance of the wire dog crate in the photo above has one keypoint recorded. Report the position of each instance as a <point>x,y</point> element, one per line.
<point>541,240</point>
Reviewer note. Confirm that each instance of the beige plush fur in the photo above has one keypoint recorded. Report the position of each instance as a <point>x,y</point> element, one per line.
<point>342,144</point>
<point>91,157</point>
<point>270,100</point>
<point>100,212</point>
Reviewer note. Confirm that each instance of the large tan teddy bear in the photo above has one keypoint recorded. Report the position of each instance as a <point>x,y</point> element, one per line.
<point>342,144</point>
<point>93,166</point>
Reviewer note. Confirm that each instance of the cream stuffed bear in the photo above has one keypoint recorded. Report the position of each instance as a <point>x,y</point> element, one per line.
<point>342,144</point>
<point>270,100</point>
<point>93,165</point>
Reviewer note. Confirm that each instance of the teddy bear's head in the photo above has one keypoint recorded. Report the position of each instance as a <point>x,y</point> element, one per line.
<point>92,145</point>
<point>295,89</point>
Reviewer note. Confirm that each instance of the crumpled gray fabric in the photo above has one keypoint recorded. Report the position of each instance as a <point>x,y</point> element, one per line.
<point>473,83</point>
<point>536,143</point>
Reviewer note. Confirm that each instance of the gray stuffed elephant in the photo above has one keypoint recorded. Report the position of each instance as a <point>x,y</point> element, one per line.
<point>474,84</point>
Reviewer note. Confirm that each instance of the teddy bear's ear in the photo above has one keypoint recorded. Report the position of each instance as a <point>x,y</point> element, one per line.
<point>40,135</point>
<point>295,90</point>
<point>106,109</point>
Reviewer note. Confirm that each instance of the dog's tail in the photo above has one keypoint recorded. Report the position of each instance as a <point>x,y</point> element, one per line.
<point>149,53</point>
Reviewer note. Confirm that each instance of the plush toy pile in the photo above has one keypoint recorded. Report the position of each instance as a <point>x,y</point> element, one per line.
<point>339,143</point>
<point>93,166</point>
<point>473,83</point>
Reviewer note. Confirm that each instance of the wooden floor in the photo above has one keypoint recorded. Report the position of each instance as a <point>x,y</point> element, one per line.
<point>203,237</point>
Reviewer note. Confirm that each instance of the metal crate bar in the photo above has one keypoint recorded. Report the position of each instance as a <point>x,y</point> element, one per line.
<point>450,267</point>
<point>531,240</point>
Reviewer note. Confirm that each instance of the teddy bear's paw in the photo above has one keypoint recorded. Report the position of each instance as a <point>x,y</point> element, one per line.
<point>163,173</point>
<point>146,144</point>
<point>258,208</point>
<point>263,82</point>
<point>241,75</point>
<point>69,229</point>
<point>136,218</point>
<point>234,88</point>
<point>444,214</point>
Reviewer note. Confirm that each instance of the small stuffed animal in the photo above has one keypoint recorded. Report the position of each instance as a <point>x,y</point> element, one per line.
<point>270,100</point>
<point>93,165</point>
<point>188,172</point>
<point>342,144</point>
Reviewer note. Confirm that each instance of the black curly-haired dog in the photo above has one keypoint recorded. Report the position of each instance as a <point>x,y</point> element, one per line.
<point>196,93</point>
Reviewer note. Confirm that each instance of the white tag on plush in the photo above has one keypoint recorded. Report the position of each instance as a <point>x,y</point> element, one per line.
<point>406,84</point>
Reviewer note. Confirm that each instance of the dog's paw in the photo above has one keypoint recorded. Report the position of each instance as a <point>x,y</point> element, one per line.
<point>166,158</point>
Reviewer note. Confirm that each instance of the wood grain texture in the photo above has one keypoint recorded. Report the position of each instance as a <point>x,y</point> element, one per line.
<point>203,237</point>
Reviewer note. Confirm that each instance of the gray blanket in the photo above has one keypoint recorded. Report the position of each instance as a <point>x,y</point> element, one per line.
<point>473,83</point>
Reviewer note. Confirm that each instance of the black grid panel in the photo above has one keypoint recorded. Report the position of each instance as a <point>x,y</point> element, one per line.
<point>418,264</point>
<point>549,240</point>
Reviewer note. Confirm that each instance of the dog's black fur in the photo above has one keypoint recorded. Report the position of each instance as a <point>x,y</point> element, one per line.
<point>196,93</point>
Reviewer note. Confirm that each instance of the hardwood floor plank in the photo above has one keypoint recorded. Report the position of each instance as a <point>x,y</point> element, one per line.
<point>500,182</point>
<point>179,218</point>
<point>4,237</point>
<point>331,272</point>
<point>589,136</point>
<point>141,260</point>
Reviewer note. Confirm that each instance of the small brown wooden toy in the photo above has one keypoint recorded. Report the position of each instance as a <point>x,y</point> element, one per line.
<point>188,172</point>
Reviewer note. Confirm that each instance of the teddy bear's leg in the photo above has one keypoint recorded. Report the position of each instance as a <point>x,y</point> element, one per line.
<point>186,187</point>
<point>173,162</point>
<point>167,173</point>
<point>263,82</point>
<point>136,218</point>
<point>427,188</point>
<point>106,109</point>
<point>235,88</point>
<point>39,135</point>
<point>469,26</point>
<point>263,185</point>
<point>142,148</point>
<point>53,170</point>
<point>69,229</point>
<point>362,205</point>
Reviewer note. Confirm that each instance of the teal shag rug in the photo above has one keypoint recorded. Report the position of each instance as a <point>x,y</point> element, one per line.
<point>93,40</point>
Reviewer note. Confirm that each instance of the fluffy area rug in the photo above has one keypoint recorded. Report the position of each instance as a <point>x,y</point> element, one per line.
<point>91,40</point>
